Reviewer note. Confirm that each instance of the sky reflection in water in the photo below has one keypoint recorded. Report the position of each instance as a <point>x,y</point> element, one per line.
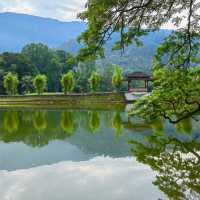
<point>92,155</point>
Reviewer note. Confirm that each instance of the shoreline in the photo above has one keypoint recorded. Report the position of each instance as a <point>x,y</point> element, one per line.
<point>102,101</point>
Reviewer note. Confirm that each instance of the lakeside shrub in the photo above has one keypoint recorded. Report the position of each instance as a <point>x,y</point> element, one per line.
<point>94,81</point>
<point>10,83</point>
<point>117,78</point>
<point>40,83</point>
<point>68,82</point>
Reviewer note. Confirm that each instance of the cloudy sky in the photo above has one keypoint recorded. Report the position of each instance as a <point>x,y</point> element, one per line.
<point>65,10</point>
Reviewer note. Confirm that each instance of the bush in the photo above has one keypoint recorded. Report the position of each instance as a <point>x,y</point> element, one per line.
<point>117,78</point>
<point>10,83</point>
<point>94,81</point>
<point>68,82</point>
<point>40,83</point>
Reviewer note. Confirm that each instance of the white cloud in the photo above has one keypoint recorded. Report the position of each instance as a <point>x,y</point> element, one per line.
<point>66,10</point>
<point>99,178</point>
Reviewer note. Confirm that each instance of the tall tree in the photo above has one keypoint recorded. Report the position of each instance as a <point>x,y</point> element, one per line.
<point>40,83</point>
<point>68,82</point>
<point>10,83</point>
<point>94,81</point>
<point>176,56</point>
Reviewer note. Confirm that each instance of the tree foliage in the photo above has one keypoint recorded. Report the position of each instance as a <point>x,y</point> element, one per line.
<point>128,18</point>
<point>10,83</point>
<point>94,81</point>
<point>176,82</point>
<point>40,83</point>
<point>68,82</point>
<point>117,78</point>
<point>27,84</point>
<point>175,95</point>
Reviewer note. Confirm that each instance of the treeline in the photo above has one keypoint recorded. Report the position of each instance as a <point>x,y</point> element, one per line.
<point>38,68</point>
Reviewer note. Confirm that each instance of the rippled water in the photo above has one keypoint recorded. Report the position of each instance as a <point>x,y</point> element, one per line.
<point>74,154</point>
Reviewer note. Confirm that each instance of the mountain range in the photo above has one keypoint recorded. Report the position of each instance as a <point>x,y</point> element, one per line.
<point>21,29</point>
<point>17,30</point>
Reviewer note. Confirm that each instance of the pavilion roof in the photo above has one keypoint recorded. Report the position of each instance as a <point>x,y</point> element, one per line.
<point>138,76</point>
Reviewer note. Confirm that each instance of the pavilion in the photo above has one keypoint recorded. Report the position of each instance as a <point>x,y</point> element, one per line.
<point>138,76</point>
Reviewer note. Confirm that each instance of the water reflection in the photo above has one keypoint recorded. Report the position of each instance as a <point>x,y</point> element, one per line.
<point>184,126</point>
<point>11,121</point>
<point>172,151</point>
<point>117,124</point>
<point>176,161</point>
<point>39,121</point>
<point>68,123</point>
<point>98,178</point>
<point>94,121</point>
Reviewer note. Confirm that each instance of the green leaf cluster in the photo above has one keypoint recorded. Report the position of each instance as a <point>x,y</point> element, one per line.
<point>68,82</point>
<point>94,81</point>
<point>40,83</point>
<point>10,83</point>
<point>117,78</point>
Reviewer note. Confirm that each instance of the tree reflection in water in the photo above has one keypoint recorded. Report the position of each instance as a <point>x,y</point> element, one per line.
<point>175,157</point>
<point>176,162</point>
<point>40,121</point>
<point>117,124</point>
<point>67,123</point>
<point>94,121</point>
<point>184,126</point>
<point>11,121</point>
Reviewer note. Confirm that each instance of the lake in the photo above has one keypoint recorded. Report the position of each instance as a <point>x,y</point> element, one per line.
<point>101,155</point>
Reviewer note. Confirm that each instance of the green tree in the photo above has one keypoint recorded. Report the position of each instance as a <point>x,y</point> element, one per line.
<point>94,81</point>
<point>10,83</point>
<point>39,54</point>
<point>40,83</point>
<point>82,75</point>
<point>27,84</point>
<point>117,78</point>
<point>178,54</point>
<point>68,82</point>
<point>175,95</point>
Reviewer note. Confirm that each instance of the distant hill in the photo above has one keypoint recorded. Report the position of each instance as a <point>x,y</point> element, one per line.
<point>18,30</point>
<point>133,58</point>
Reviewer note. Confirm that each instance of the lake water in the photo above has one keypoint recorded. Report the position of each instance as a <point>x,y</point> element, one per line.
<point>96,155</point>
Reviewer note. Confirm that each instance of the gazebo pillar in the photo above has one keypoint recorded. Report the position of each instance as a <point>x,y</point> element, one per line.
<point>145,83</point>
<point>129,84</point>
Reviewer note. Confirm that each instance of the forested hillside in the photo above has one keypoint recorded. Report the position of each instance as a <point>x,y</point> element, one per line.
<point>133,58</point>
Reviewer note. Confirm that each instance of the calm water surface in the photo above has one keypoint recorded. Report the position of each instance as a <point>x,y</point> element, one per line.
<point>101,155</point>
